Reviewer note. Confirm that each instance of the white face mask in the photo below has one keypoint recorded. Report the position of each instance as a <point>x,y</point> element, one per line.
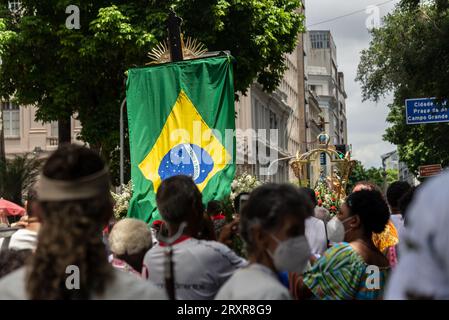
<point>336,230</point>
<point>291,255</point>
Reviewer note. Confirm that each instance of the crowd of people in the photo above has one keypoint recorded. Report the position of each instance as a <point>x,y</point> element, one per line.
<point>378,246</point>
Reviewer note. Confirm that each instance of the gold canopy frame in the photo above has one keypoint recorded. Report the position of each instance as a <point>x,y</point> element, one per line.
<point>342,167</point>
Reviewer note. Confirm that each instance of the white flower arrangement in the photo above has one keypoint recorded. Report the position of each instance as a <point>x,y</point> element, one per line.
<point>243,183</point>
<point>121,200</point>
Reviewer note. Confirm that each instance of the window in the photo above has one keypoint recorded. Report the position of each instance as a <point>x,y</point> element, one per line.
<point>273,120</point>
<point>317,89</point>
<point>320,40</point>
<point>54,129</point>
<point>14,5</point>
<point>11,120</point>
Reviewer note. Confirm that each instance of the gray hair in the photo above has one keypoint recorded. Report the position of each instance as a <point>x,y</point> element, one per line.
<point>130,236</point>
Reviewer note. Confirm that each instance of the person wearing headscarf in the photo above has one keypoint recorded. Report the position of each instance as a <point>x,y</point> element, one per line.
<point>70,261</point>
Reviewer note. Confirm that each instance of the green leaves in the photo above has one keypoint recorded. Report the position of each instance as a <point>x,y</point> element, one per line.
<point>82,71</point>
<point>409,56</point>
<point>17,175</point>
<point>257,32</point>
<point>374,175</point>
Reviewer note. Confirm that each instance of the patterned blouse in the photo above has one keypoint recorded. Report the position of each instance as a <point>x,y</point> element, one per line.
<point>342,274</point>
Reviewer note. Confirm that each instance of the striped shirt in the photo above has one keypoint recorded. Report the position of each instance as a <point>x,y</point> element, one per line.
<point>342,274</point>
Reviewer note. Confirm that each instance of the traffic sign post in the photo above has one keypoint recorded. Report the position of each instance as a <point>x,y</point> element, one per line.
<point>426,110</point>
<point>430,170</point>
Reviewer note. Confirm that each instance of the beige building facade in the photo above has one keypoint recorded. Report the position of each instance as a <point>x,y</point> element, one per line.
<point>286,108</point>
<point>24,135</point>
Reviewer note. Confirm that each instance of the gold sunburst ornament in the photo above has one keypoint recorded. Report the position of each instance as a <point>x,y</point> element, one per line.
<point>191,49</point>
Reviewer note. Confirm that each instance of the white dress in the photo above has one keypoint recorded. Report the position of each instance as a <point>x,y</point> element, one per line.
<point>255,282</point>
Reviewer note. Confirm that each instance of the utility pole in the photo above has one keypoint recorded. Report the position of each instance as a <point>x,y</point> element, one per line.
<point>2,137</point>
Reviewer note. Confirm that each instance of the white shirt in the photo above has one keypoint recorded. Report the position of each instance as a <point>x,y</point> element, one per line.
<point>124,286</point>
<point>398,222</point>
<point>423,268</point>
<point>23,239</point>
<point>200,267</point>
<point>255,282</point>
<point>315,233</point>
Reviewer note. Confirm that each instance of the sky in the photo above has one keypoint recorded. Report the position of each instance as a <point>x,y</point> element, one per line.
<point>366,120</point>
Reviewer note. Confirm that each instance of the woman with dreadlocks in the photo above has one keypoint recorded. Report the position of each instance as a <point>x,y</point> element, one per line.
<point>70,261</point>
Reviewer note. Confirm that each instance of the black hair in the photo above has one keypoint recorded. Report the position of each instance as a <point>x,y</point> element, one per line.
<point>405,201</point>
<point>395,191</point>
<point>214,207</point>
<point>237,201</point>
<point>11,260</point>
<point>310,194</point>
<point>372,209</point>
<point>178,198</point>
<point>269,205</point>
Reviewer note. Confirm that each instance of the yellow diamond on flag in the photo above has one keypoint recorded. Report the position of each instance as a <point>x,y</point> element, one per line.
<point>187,146</point>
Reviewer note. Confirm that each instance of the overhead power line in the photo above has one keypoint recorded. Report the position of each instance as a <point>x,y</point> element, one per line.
<point>348,14</point>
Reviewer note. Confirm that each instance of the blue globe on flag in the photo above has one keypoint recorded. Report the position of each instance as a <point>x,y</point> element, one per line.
<point>186,159</point>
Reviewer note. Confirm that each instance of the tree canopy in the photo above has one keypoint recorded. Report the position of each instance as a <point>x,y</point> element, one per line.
<point>409,57</point>
<point>81,72</point>
<point>374,175</point>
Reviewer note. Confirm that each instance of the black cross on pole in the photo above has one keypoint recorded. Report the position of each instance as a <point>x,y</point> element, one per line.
<point>174,36</point>
<point>174,43</point>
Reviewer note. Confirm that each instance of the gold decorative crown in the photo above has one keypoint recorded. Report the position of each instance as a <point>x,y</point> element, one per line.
<point>191,49</point>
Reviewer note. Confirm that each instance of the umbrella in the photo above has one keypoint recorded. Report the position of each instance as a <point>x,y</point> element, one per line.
<point>10,208</point>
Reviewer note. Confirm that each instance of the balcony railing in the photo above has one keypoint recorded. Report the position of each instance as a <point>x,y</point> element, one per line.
<point>52,141</point>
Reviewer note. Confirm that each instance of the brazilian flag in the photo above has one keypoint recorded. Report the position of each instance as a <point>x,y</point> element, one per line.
<point>180,118</point>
